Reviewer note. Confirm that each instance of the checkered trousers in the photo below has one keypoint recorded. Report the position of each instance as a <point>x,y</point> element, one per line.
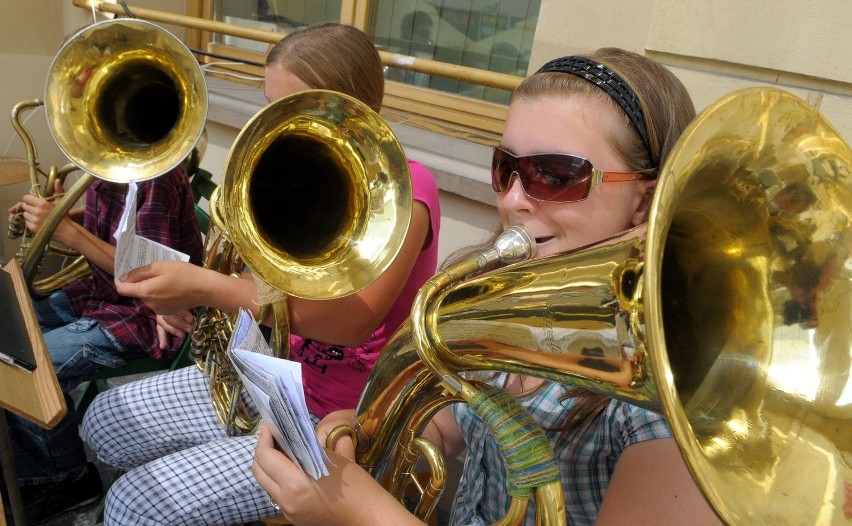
<point>183,469</point>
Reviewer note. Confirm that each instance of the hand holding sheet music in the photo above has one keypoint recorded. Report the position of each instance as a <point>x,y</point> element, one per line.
<point>275,385</point>
<point>132,251</point>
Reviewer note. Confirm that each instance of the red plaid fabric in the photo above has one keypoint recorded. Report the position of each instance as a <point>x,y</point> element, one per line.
<point>165,214</point>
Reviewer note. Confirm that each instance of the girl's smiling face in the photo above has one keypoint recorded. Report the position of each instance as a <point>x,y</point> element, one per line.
<point>578,126</point>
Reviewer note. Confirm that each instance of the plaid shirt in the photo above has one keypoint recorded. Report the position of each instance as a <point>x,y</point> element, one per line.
<point>165,214</point>
<point>482,498</point>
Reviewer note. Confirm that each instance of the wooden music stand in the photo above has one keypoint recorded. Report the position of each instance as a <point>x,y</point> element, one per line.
<point>13,170</point>
<point>35,396</point>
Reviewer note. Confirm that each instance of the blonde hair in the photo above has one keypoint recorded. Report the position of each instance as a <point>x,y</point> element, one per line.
<point>333,56</point>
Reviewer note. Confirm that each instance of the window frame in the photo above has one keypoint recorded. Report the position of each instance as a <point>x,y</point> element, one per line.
<point>451,114</point>
<point>459,157</point>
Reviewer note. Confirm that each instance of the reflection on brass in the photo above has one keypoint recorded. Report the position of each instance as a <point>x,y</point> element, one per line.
<point>316,200</point>
<point>316,195</point>
<point>730,315</point>
<point>125,101</point>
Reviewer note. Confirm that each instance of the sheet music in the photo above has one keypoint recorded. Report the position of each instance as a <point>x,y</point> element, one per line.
<point>275,385</point>
<point>132,251</point>
<point>247,336</point>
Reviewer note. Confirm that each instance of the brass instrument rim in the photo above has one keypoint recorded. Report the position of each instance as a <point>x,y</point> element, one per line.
<point>379,223</point>
<point>82,138</point>
<point>758,120</point>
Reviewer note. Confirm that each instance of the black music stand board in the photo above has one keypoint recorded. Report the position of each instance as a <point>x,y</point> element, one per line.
<point>34,395</point>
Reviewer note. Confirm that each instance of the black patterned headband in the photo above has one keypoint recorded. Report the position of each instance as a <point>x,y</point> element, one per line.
<point>607,80</point>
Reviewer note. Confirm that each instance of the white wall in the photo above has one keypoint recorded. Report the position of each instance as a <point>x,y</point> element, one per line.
<point>720,46</point>
<point>30,34</point>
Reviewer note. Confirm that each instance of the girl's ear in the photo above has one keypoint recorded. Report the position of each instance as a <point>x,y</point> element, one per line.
<point>647,195</point>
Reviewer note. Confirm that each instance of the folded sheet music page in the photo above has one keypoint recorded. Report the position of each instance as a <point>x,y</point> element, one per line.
<point>275,385</point>
<point>132,251</point>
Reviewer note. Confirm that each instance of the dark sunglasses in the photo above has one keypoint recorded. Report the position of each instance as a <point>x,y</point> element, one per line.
<point>553,177</point>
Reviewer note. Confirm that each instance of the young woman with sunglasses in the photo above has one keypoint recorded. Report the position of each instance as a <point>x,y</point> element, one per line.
<point>584,139</point>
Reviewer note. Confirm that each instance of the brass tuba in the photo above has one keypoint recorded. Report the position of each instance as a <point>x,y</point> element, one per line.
<point>125,101</point>
<point>730,314</point>
<point>78,267</point>
<point>316,200</point>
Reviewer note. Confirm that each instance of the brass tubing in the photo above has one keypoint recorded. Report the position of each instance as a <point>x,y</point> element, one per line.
<point>431,491</point>
<point>30,146</point>
<point>29,265</point>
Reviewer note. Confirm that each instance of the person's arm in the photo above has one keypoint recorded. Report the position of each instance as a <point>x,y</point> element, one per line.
<point>652,485</point>
<point>94,249</point>
<point>444,432</point>
<point>348,495</point>
<point>168,287</point>
<point>174,287</point>
<point>171,287</point>
<point>68,232</point>
<point>357,316</point>
<point>77,214</point>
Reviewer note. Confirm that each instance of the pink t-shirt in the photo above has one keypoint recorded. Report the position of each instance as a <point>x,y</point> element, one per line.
<point>334,376</point>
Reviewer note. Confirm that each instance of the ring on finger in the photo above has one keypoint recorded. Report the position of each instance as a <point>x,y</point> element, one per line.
<point>272,501</point>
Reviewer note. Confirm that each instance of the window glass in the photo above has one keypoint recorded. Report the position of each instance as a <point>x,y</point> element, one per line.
<point>495,36</point>
<point>281,15</point>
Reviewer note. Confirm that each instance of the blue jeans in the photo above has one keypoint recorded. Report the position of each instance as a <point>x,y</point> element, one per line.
<point>77,347</point>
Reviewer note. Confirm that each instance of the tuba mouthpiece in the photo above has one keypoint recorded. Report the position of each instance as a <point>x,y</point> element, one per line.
<point>515,244</point>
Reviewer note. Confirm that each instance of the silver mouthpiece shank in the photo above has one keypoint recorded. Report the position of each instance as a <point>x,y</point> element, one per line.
<point>515,244</point>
